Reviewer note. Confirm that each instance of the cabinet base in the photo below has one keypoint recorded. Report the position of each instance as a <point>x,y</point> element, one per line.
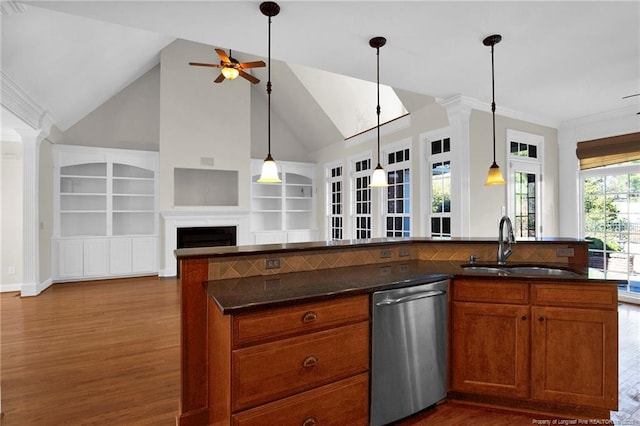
<point>534,407</point>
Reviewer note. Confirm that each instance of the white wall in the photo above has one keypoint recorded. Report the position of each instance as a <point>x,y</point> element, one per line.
<point>200,119</point>
<point>11,221</point>
<point>129,120</point>
<point>486,202</point>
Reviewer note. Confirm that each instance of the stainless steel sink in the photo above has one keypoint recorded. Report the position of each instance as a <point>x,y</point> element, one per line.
<point>485,269</point>
<point>520,270</point>
<point>541,270</point>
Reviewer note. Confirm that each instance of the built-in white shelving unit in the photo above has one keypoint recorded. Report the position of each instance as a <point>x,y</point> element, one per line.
<point>283,212</point>
<point>106,221</point>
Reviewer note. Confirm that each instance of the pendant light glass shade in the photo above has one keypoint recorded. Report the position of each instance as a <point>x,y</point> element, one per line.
<point>379,177</point>
<point>230,73</point>
<point>494,177</point>
<point>269,169</point>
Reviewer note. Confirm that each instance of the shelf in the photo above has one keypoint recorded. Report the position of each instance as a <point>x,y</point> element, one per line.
<point>284,206</point>
<point>82,211</point>
<point>85,170</point>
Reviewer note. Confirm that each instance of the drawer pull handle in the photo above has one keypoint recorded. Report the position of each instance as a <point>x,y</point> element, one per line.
<point>309,421</point>
<point>309,317</point>
<point>310,361</point>
<point>540,319</point>
<point>524,317</point>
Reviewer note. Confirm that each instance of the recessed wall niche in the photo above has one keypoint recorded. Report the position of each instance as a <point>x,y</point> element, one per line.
<point>205,187</point>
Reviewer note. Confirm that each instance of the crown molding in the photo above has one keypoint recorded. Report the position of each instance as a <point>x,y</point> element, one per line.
<point>10,7</point>
<point>505,112</point>
<point>16,100</point>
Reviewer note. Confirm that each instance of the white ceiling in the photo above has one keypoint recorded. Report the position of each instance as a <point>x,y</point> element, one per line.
<point>557,60</point>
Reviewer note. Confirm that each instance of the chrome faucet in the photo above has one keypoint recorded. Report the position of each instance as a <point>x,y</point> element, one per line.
<point>503,253</point>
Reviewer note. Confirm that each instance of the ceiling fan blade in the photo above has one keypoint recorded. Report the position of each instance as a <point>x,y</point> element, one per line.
<point>223,55</point>
<point>254,64</point>
<point>199,64</point>
<point>220,79</point>
<point>249,77</point>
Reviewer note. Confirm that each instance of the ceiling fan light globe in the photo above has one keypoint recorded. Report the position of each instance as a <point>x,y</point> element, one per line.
<point>269,171</point>
<point>494,177</point>
<point>379,177</point>
<point>230,73</point>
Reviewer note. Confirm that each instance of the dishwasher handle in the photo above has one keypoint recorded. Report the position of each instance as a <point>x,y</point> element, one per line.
<point>411,298</point>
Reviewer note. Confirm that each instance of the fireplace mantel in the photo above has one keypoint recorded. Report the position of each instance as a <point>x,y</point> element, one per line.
<point>189,219</point>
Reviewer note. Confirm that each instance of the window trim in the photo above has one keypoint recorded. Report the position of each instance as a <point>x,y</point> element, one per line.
<point>367,155</point>
<point>527,165</point>
<point>328,202</point>
<point>384,154</point>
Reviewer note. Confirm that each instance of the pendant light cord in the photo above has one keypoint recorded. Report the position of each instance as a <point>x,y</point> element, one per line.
<point>269,94</point>
<point>378,106</point>
<point>493,104</point>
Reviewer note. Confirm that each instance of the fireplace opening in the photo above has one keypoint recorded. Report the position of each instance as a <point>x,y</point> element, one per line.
<point>205,236</point>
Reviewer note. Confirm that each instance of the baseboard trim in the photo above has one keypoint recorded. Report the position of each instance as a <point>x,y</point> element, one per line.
<point>6,288</point>
<point>34,289</point>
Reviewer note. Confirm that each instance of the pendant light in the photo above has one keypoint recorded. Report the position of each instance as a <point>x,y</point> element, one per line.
<point>269,170</point>
<point>379,178</point>
<point>495,175</point>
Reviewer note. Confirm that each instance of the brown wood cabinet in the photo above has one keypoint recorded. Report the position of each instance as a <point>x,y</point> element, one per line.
<point>574,356</point>
<point>536,342</point>
<point>491,339</point>
<point>304,365</point>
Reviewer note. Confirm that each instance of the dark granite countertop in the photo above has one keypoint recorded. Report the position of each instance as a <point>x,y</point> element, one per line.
<point>222,251</point>
<point>244,294</point>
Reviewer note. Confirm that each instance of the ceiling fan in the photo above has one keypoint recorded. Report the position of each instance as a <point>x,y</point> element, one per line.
<point>231,68</point>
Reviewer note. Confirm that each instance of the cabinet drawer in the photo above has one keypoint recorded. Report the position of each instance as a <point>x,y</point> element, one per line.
<point>510,292</point>
<point>271,371</point>
<point>586,295</point>
<point>341,403</point>
<point>289,321</point>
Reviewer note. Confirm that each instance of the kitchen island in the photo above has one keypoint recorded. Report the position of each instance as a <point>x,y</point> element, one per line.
<point>239,301</point>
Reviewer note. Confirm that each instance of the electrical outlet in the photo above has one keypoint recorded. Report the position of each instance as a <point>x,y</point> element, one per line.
<point>565,252</point>
<point>385,253</point>
<point>403,251</point>
<point>273,263</point>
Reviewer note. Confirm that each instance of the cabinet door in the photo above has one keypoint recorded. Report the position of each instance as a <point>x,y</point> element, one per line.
<point>575,357</point>
<point>120,256</point>
<point>143,252</point>
<point>70,258</point>
<point>95,257</point>
<point>491,349</point>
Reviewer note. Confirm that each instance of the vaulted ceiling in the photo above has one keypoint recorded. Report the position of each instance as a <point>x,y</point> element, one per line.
<point>557,61</point>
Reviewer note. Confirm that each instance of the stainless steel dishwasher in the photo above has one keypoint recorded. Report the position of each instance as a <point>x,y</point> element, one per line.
<point>408,350</point>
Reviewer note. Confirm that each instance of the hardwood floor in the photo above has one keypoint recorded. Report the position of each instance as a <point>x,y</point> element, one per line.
<point>100,352</point>
<point>107,353</point>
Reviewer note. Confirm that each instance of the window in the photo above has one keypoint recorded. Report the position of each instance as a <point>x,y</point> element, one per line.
<point>440,177</point>
<point>611,220</point>
<point>398,215</point>
<point>335,187</point>
<point>524,183</point>
<point>362,198</point>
